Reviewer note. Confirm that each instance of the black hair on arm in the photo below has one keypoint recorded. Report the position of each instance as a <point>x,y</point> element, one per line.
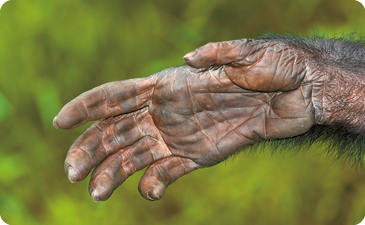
<point>336,139</point>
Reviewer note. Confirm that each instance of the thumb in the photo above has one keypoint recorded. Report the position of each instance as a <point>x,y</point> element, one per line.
<point>256,65</point>
<point>221,53</point>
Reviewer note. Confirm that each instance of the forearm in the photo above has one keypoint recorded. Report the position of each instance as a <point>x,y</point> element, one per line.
<point>340,116</point>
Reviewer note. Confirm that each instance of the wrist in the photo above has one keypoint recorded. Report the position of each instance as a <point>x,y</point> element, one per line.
<point>316,77</point>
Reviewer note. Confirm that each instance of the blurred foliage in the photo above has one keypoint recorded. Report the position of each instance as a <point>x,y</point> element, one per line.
<point>53,50</point>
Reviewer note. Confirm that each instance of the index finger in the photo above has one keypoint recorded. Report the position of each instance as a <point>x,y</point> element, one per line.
<point>106,100</point>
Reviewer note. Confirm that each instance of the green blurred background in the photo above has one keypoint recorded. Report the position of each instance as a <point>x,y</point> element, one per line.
<point>53,50</point>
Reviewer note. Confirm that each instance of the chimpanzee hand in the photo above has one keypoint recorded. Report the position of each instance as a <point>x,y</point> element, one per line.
<point>185,118</point>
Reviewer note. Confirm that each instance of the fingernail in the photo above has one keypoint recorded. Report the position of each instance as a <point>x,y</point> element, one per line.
<point>152,195</point>
<point>71,173</point>
<point>95,195</point>
<point>55,124</point>
<point>190,54</point>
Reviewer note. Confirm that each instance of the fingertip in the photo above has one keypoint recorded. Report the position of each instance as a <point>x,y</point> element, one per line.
<point>190,55</point>
<point>202,57</point>
<point>151,189</point>
<point>55,123</point>
<point>102,189</point>
<point>95,195</point>
<point>72,115</point>
<point>153,195</point>
<point>71,174</point>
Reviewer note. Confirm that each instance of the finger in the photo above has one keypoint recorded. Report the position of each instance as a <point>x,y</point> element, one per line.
<point>116,168</point>
<point>163,173</point>
<point>221,53</point>
<point>104,101</point>
<point>106,137</point>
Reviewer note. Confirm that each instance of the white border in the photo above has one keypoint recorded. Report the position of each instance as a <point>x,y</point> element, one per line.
<point>363,222</point>
<point>2,223</point>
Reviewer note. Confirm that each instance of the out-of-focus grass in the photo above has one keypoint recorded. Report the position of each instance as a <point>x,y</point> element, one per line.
<point>53,50</point>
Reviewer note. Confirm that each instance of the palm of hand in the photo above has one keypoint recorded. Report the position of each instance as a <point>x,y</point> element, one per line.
<point>176,121</point>
<point>205,117</point>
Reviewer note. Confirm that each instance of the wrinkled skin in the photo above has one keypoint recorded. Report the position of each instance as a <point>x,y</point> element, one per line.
<point>185,118</point>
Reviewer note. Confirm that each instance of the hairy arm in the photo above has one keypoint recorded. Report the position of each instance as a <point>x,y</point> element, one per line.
<point>230,96</point>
